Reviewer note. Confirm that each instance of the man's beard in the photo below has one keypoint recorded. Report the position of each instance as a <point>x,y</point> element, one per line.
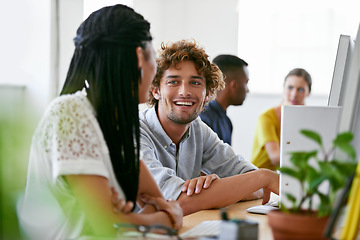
<point>181,120</point>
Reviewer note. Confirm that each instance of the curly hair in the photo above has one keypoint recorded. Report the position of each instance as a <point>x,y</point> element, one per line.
<point>184,50</point>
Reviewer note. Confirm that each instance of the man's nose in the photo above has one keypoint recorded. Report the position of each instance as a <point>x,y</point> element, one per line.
<point>184,89</point>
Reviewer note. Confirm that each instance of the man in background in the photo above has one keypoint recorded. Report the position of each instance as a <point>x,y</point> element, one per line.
<point>236,79</point>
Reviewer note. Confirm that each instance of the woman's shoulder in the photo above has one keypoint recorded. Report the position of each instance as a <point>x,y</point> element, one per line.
<point>75,104</point>
<point>67,99</point>
<point>269,116</point>
<point>66,109</point>
<point>269,112</point>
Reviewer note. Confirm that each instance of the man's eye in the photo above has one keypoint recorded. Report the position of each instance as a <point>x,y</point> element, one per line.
<point>290,87</point>
<point>196,83</point>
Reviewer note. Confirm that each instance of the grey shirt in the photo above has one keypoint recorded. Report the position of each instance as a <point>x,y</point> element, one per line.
<point>200,149</point>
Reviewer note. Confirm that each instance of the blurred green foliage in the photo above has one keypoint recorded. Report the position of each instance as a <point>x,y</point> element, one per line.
<point>16,128</point>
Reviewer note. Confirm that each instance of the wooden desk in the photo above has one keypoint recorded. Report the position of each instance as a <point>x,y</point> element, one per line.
<point>237,210</point>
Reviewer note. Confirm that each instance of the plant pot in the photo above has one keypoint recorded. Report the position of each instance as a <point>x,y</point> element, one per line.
<point>287,226</point>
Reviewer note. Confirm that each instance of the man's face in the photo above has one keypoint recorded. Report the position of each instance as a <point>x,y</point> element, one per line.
<point>240,88</point>
<point>181,94</point>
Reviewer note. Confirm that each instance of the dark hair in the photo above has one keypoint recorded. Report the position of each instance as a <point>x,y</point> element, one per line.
<point>300,73</point>
<point>227,62</point>
<point>184,50</point>
<point>105,57</point>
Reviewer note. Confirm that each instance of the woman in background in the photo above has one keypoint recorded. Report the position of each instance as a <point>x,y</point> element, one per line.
<point>85,151</point>
<point>266,146</point>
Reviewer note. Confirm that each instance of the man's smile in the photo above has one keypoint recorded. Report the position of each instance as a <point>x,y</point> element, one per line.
<point>184,103</point>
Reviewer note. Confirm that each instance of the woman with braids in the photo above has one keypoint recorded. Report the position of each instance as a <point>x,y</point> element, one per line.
<point>84,170</point>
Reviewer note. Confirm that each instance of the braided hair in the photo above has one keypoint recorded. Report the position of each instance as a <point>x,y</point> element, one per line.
<point>105,59</point>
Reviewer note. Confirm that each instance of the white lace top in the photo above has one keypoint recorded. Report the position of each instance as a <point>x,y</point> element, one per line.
<point>68,140</point>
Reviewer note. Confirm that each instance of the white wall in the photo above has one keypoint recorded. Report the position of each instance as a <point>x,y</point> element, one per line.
<point>25,47</point>
<point>31,55</point>
<point>214,24</point>
<point>279,35</point>
<point>70,18</point>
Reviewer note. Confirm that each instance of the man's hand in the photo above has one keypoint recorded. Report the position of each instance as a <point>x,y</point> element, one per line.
<point>119,204</point>
<point>198,183</point>
<point>172,207</point>
<point>272,186</point>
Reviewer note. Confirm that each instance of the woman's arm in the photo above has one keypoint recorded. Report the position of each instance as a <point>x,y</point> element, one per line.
<point>94,196</point>
<point>273,151</point>
<point>148,186</point>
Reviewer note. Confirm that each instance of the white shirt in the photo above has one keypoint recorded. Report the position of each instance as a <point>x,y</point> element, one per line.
<point>68,140</point>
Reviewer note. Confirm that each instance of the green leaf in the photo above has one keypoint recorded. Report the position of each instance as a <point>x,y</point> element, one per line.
<point>348,149</point>
<point>291,198</point>
<point>311,177</point>
<point>284,209</point>
<point>324,208</point>
<point>314,184</point>
<point>312,135</point>
<point>347,169</point>
<point>330,170</point>
<point>325,199</point>
<point>332,173</point>
<point>300,159</point>
<point>345,137</point>
<point>291,172</point>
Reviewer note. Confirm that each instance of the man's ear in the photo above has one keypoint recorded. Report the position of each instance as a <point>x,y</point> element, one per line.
<point>231,85</point>
<point>140,56</point>
<point>207,96</point>
<point>156,93</point>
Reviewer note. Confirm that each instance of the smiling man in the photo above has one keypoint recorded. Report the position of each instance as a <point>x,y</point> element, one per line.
<point>177,145</point>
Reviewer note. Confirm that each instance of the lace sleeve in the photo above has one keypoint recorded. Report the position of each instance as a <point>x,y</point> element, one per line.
<point>73,138</point>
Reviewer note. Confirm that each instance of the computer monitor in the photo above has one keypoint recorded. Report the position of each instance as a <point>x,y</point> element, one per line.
<point>341,69</point>
<point>349,119</point>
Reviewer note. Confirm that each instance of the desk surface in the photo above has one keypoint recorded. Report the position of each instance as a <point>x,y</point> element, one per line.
<point>237,210</point>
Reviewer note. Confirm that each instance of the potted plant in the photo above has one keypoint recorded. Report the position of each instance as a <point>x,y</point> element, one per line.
<point>286,222</point>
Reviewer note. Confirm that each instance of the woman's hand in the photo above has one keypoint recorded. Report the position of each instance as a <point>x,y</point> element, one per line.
<point>171,207</point>
<point>119,204</point>
<point>198,183</point>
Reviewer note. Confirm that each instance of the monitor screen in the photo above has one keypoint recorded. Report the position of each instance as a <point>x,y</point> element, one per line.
<point>347,96</point>
<point>341,68</point>
<point>349,119</point>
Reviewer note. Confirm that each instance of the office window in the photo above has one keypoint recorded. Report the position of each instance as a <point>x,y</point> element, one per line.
<point>277,36</point>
